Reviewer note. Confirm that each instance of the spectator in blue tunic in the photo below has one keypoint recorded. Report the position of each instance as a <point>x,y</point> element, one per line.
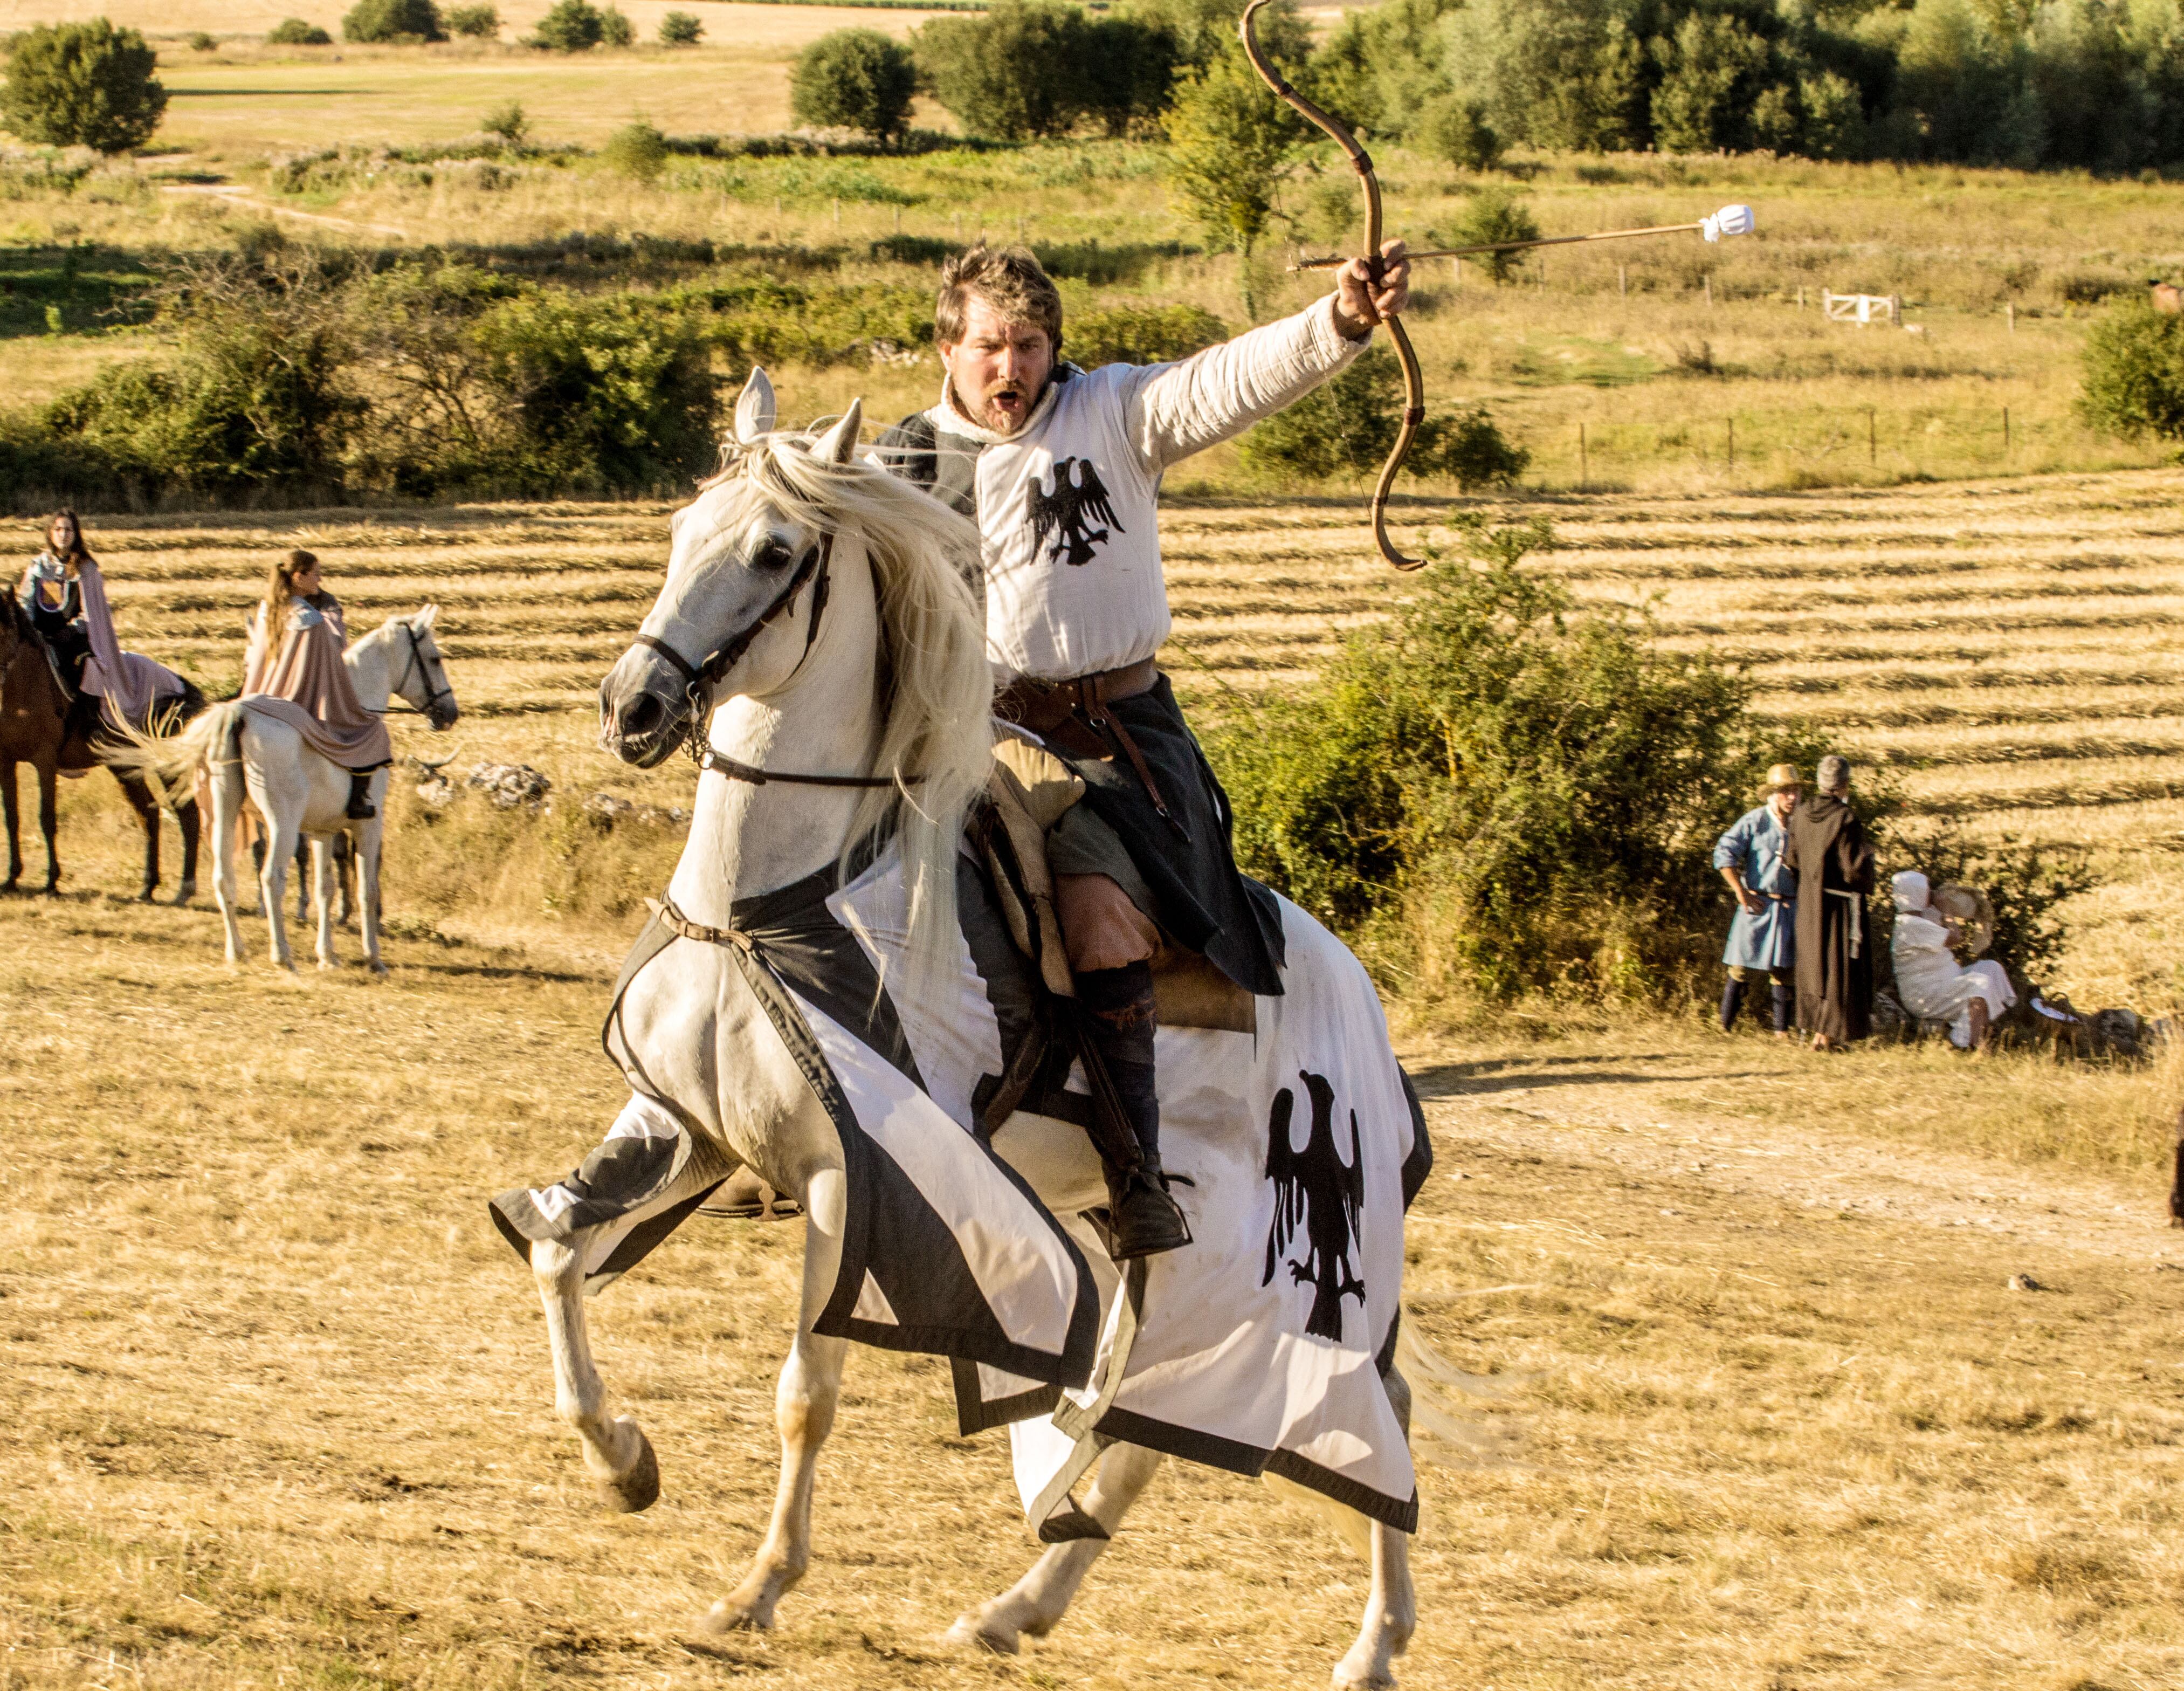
<point>1762,937</point>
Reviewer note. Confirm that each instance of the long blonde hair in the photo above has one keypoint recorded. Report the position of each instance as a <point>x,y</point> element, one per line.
<point>936,738</point>
<point>281,589</point>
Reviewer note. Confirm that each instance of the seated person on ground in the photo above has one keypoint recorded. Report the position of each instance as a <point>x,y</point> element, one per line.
<point>1932,984</point>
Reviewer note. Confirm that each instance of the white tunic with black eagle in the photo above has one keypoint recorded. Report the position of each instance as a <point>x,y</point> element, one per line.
<point>1067,506</point>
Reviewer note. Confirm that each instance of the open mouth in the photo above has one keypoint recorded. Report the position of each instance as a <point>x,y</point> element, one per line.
<point>1007,402</point>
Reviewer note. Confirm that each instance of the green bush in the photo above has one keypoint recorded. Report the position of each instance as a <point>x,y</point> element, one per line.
<point>1455,131</point>
<point>507,121</point>
<point>854,79</point>
<point>1346,425</point>
<point>2134,373</point>
<point>1502,791</point>
<point>638,151</point>
<point>1494,214</point>
<point>82,84</point>
<point>298,32</point>
<point>1469,450</point>
<point>1140,334</point>
<point>572,26</point>
<point>1014,73</point>
<point>480,22</point>
<point>203,42</point>
<point>394,21</point>
<point>681,29</point>
<point>616,29</point>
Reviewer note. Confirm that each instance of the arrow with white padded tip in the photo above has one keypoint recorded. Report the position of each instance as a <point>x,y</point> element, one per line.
<point>1730,220</point>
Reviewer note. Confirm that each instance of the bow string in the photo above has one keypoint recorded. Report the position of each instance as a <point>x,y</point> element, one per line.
<point>1414,387</point>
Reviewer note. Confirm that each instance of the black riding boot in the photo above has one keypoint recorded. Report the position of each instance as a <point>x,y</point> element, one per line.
<point>360,795</point>
<point>1785,1001</point>
<point>1732,1002</point>
<point>1119,1021</point>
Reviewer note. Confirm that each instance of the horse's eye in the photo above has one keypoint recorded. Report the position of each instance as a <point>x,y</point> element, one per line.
<point>773,555</point>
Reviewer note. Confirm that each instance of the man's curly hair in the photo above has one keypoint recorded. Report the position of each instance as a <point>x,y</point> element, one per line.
<point>1007,278</point>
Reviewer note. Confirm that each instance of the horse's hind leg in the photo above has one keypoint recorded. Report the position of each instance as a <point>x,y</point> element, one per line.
<point>224,788</point>
<point>617,1453</point>
<point>1391,1611</point>
<point>1035,1603</point>
<point>187,816</point>
<point>273,884</point>
<point>804,1409</point>
<point>49,820</point>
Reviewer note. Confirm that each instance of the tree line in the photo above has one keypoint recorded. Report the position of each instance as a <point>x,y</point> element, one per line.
<point>2091,84</point>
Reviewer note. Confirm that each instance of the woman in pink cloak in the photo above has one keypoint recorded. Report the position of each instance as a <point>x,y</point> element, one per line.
<point>295,655</point>
<point>65,595</point>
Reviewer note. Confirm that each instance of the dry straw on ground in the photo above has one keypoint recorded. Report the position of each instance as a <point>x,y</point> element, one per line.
<point>278,1399</point>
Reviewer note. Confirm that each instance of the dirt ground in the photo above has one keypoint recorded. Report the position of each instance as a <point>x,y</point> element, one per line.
<point>278,1410</point>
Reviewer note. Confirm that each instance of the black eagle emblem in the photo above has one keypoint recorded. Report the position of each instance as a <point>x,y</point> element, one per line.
<point>1314,1190</point>
<point>1062,518</point>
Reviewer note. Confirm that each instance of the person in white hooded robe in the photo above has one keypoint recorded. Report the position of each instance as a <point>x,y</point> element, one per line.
<point>1929,981</point>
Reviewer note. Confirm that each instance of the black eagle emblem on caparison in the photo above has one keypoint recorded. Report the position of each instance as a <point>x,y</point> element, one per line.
<point>1062,518</point>
<point>1315,1190</point>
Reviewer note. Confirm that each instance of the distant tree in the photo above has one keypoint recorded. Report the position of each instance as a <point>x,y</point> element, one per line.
<point>298,32</point>
<point>509,121</point>
<point>616,29</point>
<point>1717,72</point>
<point>681,29</point>
<point>1454,130</point>
<point>1204,31</point>
<point>82,84</point>
<point>638,151</point>
<point>1014,74</point>
<point>572,26</point>
<point>1495,216</point>
<point>854,79</point>
<point>2134,373</point>
<point>1230,144</point>
<point>203,42</point>
<point>1129,71</point>
<point>481,22</point>
<point>394,21</point>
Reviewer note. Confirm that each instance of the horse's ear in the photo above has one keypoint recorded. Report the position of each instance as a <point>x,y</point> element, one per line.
<point>755,408</point>
<point>840,443</point>
<point>423,622</point>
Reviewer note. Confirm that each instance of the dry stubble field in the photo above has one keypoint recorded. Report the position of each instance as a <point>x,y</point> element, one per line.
<point>278,1405</point>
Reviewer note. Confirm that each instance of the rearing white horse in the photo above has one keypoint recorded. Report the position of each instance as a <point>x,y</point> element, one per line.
<point>844,642</point>
<point>299,793</point>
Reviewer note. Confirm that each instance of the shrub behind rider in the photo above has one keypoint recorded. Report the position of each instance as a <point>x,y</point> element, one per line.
<point>1061,469</point>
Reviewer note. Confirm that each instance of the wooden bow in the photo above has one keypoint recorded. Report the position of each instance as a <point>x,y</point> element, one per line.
<point>1414,387</point>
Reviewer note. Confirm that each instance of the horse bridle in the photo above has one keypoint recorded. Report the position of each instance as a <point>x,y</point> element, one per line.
<point>699,679</point>
<point>416,661</point>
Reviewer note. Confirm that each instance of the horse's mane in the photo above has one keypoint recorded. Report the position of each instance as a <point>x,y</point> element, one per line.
<point>936,688</point>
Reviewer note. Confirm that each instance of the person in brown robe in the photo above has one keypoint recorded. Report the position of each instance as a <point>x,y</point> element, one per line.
<point>1834,856</point>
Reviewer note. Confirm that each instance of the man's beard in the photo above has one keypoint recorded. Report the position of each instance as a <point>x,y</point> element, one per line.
<point>998,422</point>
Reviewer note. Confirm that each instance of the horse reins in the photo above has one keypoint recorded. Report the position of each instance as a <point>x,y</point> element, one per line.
<point>697,678</point>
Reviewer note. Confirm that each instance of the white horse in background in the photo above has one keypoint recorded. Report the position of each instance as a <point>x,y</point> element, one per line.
<point>300,794</point>
<point>879,671</point>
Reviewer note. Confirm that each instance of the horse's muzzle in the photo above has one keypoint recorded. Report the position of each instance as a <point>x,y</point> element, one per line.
<point>641,720</point>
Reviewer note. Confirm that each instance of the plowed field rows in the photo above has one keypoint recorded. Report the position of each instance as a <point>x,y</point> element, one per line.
<point>2010,650</point>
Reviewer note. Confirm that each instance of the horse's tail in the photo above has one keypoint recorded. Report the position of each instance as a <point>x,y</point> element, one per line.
<point>165,762</point>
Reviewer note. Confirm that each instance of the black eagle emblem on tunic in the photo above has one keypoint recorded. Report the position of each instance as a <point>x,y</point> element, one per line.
<point>1315,1190</point>
<point>1061,517</point>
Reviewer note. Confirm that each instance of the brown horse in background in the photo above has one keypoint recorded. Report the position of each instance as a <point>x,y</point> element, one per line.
<point>34,729</point>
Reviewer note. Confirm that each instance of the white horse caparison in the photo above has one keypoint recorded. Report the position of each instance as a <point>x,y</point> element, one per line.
<point>301,795</point>
<point>794,698</point>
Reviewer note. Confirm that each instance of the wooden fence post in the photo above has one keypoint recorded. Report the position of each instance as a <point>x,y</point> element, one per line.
<point>1872,439</point>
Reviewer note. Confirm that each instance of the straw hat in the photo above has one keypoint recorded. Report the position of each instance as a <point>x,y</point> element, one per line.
<point>1784,778</point>
<point>1972,911</point>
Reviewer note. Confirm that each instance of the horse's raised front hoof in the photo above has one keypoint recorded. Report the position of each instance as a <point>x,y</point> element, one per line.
<point>980,1629</point>
<point>729,1617</point>
<point>638,1489</point>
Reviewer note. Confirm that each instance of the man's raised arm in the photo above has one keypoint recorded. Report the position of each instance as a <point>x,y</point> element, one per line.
<point>1214,395</point>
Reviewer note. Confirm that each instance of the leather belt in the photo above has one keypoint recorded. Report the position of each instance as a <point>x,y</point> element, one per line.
<point>1074,715</point>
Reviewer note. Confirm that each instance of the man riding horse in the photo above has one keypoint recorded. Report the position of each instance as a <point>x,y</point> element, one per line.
<point>1061,469</point>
